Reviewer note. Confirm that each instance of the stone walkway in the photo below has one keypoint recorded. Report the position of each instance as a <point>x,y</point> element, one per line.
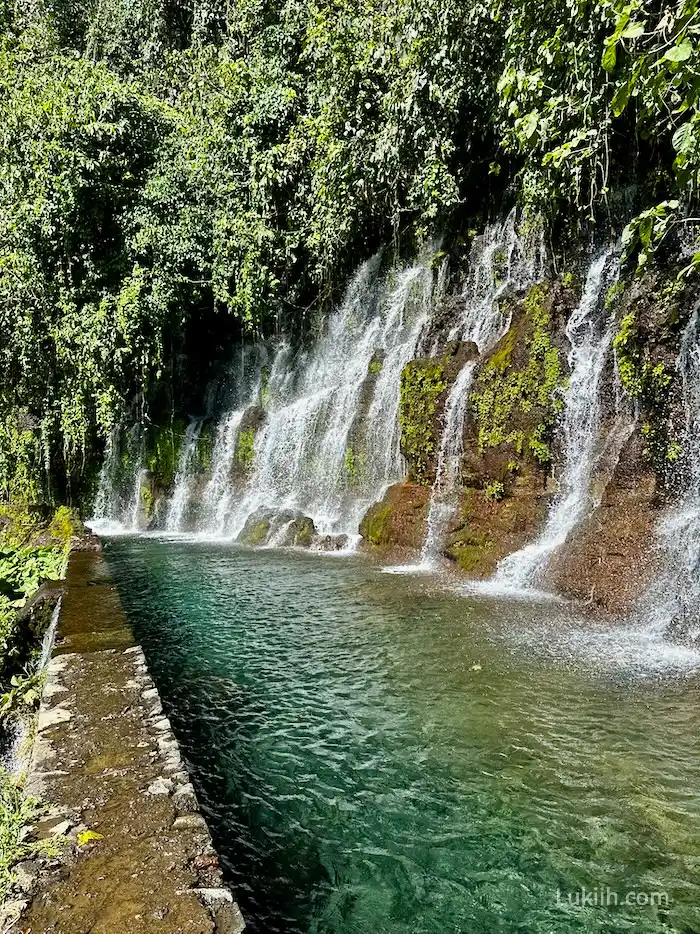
<point>107,761</point>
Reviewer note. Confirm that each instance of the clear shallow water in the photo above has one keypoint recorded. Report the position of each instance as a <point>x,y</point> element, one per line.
<point>374,755</point>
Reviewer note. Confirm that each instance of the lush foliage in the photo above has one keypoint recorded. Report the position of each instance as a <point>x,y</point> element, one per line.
<point>24,566</point>
<point>16,811</point>
<point>174,175</point>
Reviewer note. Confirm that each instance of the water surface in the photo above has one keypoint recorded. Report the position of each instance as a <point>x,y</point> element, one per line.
<point>375,754</point>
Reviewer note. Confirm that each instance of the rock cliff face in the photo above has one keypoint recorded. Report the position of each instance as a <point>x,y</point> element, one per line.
<point>513,445</point>
<point>612,342</point>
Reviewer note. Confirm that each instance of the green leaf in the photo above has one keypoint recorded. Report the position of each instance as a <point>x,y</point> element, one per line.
<point>530,123</point>
<point>633,31</point>
<point>621,98</point>
<point>680,52</point>
<point>609,57</point>
<point>684,139</point>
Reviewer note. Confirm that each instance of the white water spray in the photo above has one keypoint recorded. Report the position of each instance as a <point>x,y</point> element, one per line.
<point>503,260</point>
<point>330,443</point>
<point>672,602</point>
<point>118,502</point>
<point>590,331</point>
<point>177,508</point>
<point>217,498</point>
<point>444,496</point>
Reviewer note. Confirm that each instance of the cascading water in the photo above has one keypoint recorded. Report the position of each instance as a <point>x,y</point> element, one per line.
<point>177,508</point>
<point>118,502</point>
<point>216,501</point>
<point>330,443</point>
<point>502,261</point>
<point>443,502</point>
<point>590,332</point>
<point>672,603</point>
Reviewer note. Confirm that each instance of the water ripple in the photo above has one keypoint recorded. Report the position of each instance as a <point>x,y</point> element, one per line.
<point>374,755</point>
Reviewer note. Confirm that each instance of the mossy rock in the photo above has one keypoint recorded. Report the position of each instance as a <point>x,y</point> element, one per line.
<point>424,386</point>
<point>163,446</point>
<point>244,455</point>
<point>398,520</point>
<point>516,398</point>
<point>285,528</point>
<point>374,526</point>
<point>256,532</point>
<point>470,551</point>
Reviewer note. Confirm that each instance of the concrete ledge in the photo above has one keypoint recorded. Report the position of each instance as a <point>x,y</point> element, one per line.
<point>137,855</point>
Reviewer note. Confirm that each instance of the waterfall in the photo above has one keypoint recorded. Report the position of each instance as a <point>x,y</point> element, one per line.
<point>444,496</point>
<point>177,508</point>
<point>672,603</point>
<point>13,758</point>
<point>590,335</point>
<point>118,502</point>
<point>217,498</point>
<point>105,507</point>
<point>329,446</point>
<point>502,261</point>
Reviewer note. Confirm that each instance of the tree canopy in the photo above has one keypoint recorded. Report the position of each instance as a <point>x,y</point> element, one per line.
<point>174,175</point>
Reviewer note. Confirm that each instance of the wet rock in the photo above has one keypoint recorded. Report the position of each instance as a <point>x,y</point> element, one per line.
<point>60,829</point>
<point>185,799</point>
<point>396,524</point>
<point>10,912</point>
<point>26,874</point>
<point>173,764</point>
<point>162,724</point>
<point>190,822</point>
<point>161,786</point>
<point>226,914</point>
<point>611,557</point>
<point>331,543</point>
<point>167,745</point>
<point>52,716</point>
<point>283,528</point>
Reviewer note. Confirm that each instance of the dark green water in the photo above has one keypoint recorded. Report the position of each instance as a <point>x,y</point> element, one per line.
<point>376,756</point>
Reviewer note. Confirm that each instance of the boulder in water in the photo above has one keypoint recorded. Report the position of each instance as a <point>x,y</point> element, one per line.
<point>280,527</point>
<point>331,542</point>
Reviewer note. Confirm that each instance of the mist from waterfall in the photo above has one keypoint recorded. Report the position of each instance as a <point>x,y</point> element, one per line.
<point>590,332</point>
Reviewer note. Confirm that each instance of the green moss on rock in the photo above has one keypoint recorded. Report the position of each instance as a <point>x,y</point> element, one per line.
<point>255,534</point>
<point>422,382</point>
<point>245,448</point>
<point>164,451</point>
<point>470,551</point>
<point>515,399</point>
<point>375,523</point>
